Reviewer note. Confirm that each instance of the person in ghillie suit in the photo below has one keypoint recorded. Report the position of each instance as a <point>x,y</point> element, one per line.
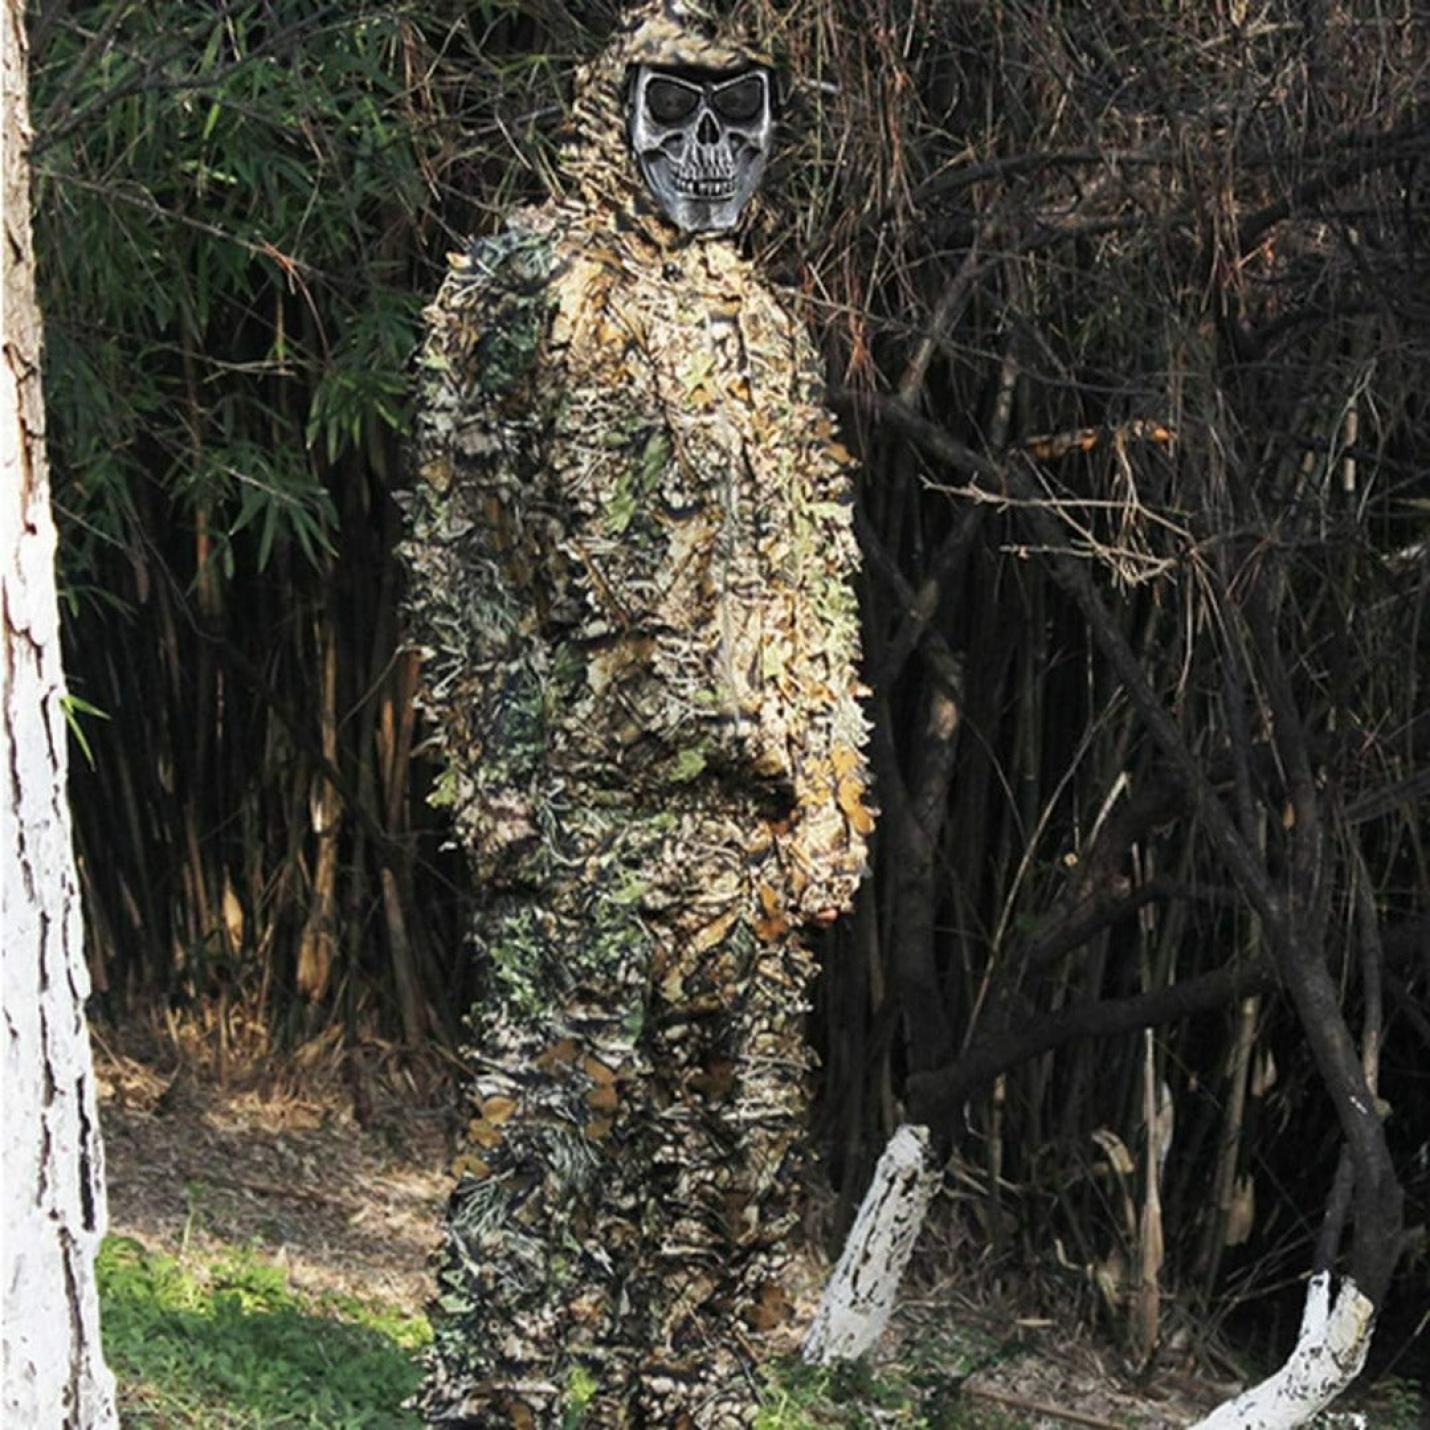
<point>630,557</point>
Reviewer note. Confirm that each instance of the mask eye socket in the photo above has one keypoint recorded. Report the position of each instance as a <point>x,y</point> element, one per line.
<point>668,101</point>
<point>741,99</point>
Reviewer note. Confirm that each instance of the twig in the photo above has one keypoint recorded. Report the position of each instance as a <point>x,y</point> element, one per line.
<point>933,1095</point>
<point>1039,1407</point>
<point>1401,144</point>
<point>1016,480</point>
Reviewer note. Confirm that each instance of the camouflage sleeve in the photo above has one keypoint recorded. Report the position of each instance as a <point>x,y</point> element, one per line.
<point>475,515</point>
<point>823,845</point>
<point>813,653</point>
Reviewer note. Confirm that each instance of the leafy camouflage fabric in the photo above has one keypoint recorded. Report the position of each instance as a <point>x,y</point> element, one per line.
<point>629,555</point>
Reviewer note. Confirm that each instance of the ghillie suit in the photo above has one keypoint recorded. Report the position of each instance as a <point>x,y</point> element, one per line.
<point>630,555</point>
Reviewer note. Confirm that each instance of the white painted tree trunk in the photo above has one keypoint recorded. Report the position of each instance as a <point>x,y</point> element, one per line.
<point>1329,1354</point>
<point>860,1295</point>
<point>52,1371</point>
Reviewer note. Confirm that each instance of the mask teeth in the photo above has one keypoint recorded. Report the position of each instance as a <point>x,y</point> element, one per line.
<point>715,172</point>
<point>705,186</point>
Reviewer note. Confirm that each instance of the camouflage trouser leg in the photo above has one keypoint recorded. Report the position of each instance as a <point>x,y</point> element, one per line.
<point>619,1239</point>
<point>533,1318</point>
<point>730,1062</point>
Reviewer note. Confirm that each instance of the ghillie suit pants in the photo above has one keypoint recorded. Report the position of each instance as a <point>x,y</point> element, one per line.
<point>620,1232</point>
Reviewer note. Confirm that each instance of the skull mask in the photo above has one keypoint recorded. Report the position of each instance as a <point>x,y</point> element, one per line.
<point>701,139</point>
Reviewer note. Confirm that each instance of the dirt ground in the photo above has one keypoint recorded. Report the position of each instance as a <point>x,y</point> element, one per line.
<point>335,1168</point>
<point>343,1204</point>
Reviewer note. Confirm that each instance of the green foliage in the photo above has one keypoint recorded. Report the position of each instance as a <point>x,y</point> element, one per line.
<point>805,1397</point>
<point>1394,1403</point>
<point>923,1391</point>
<point>1403,1403</point>
<point>231,1344</point>
<point>234,218</point>
<point>240,211</point>
<point>224,317</point>
<point>74,708</point>
<point>581,1388</point>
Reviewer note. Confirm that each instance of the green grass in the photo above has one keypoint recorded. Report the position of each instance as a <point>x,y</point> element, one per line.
<point>803,1397</point>
<point>228,1345</point>
<point>225,1343</point>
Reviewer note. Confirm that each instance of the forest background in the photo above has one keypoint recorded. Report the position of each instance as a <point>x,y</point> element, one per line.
<point>1126,311</point>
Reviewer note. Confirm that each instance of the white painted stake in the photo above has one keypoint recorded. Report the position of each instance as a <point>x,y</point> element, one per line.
<point>860,1295</point>
<point>1329,1354</point>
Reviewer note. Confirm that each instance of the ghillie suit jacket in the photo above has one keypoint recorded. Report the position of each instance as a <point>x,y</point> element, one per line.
<point>630,555</point>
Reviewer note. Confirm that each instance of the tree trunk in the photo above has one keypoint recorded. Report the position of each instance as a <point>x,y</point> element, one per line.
<point>52,1213</point>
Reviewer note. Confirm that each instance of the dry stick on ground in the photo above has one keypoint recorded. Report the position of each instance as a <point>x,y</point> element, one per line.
<point>1039,1407</point>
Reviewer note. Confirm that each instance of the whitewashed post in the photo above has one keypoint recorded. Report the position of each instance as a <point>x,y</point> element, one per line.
<point>1329,1354</point>
<point>860,1295</point>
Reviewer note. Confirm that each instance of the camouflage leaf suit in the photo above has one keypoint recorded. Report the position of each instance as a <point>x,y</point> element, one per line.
<point>629,556</point>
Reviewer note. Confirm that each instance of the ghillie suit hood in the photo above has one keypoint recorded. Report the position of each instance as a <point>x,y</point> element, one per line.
<point>631,554</point>
<point>597,155</point>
